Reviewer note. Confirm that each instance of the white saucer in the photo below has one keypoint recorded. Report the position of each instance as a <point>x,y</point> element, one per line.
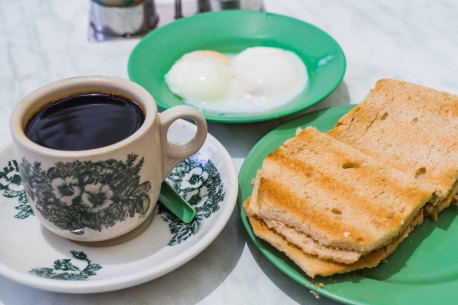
<point>33,256</point>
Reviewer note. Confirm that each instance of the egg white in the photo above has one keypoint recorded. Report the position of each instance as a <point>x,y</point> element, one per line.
<point>255,80</point>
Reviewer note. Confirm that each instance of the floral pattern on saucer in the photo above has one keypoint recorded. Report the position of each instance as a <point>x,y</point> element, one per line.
<point>35,257</point>
<point>199,182</point>
<point>196,179</point>
<point>65,269</point>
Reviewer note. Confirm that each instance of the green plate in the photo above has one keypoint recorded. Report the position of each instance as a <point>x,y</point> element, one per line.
<point>423,270</point>
<point>232,32</point>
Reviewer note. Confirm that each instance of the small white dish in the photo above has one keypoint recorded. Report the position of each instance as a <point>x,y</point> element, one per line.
<point>33,256</point>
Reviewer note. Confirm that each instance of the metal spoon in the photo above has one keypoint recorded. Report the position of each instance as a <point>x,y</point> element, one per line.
<point>176,204</point>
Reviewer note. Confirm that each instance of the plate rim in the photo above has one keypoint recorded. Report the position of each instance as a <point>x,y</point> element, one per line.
<point>271,253</point>
<point>148,274</point>
<point>255,117</point>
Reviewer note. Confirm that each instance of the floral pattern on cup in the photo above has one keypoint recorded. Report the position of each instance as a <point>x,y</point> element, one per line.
<point>199,182</point>
<point>11,187</point>
<point>93,195</point>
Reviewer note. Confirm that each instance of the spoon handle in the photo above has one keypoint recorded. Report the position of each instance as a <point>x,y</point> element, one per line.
<point>176,204</point>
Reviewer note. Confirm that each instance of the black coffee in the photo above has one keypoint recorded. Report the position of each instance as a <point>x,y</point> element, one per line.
<point>84,121</point>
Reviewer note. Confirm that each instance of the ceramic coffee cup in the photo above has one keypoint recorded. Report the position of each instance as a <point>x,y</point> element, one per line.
<point>102,193</point>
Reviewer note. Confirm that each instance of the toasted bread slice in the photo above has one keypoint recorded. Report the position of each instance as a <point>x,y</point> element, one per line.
<point>306,243</point>
<point>310,246</point>
<point>312,265</point>
<point>411,128</point>
<point>299,239</point>
<point>335,194</point>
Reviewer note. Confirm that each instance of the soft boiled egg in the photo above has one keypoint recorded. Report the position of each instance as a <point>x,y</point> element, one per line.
<point>269,72</point>
<point>255,80</point>
<point>200,76</point>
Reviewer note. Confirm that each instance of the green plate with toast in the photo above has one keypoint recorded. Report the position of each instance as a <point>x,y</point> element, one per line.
<point>423,270</point>
<point>231,32</point>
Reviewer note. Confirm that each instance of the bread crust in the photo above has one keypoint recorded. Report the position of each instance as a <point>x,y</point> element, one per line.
<point>345,200</point>
<point>305,185</point>
<point>313,265</point>
<point>409,127</point>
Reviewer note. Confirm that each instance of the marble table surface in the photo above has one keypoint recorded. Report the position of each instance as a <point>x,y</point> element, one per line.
<point>43,41</point>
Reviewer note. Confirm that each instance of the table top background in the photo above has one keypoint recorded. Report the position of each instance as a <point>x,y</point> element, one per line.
<point>43,41</point>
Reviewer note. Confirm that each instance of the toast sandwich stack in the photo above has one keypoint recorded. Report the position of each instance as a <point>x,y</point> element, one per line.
<point>411,128</point>
<point>343,201</point>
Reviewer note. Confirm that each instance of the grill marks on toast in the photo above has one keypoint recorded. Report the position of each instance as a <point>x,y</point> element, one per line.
<point>300,239</point>
<point>345,165</point>
<point>305,190</point>
<point>337,206</point>
<point>279,203</point>
<point>313,265</point>
<point>400,149</point>
<point>298,197</point>
<point>419,131</point>
<point>328,204</point>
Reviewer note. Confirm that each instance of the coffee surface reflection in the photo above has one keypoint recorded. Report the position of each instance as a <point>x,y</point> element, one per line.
<point>85,121</point>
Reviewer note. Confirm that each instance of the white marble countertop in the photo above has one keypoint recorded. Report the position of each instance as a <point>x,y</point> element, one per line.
<point>43,41</point>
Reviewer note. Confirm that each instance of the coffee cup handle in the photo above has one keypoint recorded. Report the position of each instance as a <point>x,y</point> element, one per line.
<point>172,154</point>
